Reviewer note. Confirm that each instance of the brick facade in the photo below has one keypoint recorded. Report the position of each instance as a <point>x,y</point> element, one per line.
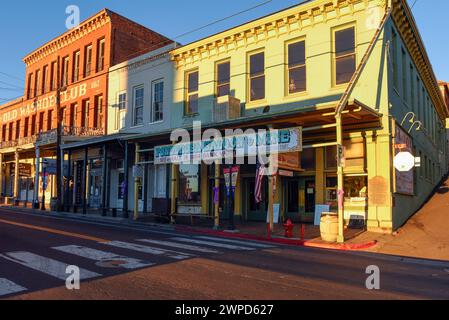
<point>108,39</point>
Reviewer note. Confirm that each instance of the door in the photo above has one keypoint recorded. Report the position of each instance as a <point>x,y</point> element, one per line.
<point>300,199</point>
<point>255,211</point>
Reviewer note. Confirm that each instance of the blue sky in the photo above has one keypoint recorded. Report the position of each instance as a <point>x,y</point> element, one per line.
<point>26,25</point>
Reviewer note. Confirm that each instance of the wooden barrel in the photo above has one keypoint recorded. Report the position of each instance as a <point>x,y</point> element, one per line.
<point>329,227</point>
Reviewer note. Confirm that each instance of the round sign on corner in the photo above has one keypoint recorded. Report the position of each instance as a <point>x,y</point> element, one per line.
<point>404,161</point>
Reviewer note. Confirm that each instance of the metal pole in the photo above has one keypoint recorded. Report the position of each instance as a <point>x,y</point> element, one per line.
<point>125,195</point>
<point>69,179</point>
<point>16,179</point>
<point>136,184</point>
<point>1,174</point>
<point>58,142</point>
<point>340,183</point>
<point>104,179</point>
<point>217,190</point>
<point>85,184</point>
<point>37,163</point>
<point>231,204</point>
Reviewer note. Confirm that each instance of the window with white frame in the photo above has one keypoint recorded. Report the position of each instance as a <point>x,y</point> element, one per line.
<point>138,105</point>
<point>121,111</point>
<point>157,101</point>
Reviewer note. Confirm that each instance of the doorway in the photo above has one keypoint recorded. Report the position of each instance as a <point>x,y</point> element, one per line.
<point>299,199</point>
<point>255,211</point>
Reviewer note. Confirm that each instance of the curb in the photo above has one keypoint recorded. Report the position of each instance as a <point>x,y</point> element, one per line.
<point>291,242</point>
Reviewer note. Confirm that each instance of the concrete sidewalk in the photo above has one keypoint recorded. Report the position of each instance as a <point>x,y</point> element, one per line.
<point>425,235</point>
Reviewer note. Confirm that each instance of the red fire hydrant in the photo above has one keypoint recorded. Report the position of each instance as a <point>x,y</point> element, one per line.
<point>288,227</point>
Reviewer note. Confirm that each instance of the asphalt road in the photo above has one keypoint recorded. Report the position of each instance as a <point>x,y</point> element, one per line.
<point>159,263</point>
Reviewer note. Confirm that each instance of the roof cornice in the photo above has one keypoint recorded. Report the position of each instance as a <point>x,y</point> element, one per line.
<point>297,17</point>
<point>408,29</point>
<point>89,25</point>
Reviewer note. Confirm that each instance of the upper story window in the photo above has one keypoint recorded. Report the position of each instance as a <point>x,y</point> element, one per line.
<point>37,82</point>
<point>223,79</point>
<point>25,127</point>
<point>101,54</point>
<point>65,72</point>
<point>297,67</point>
<point>138,105</point>
<point>121,111</point>
<point>85,113</point>
<point>41,122</point>
<point>345,56</point>
<point>87,60</point>
<point>49,120</point>
<point>30,86</point>
<point>98,112</point>
<point>404,74</point>
<point>394,58</point>
<point>412,87</point>
<point>192,92</point>
<point>76,66</point>
<point>44,79</point>
<point>17,129</point>
<point>33,125</point>
<point>157,109</point>
<point>53,76</point>
<point>257,76</point>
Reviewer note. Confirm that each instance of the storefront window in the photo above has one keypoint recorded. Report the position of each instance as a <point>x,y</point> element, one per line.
<point>355,187</point>
<point>331,189</point>
<point>189,184</point>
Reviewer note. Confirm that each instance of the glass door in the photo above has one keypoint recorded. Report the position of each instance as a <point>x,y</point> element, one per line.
<point>255,211</point>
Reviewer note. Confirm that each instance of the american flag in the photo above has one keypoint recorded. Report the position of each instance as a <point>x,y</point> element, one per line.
<point>260,172</point>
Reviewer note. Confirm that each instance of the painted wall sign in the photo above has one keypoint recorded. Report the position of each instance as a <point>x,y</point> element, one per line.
<point>284,140</point>
<point>49,101</point>
<point>404,179</point>
<point>24,169</point>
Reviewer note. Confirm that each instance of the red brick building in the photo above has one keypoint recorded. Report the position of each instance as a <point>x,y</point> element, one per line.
<point>77,64</point>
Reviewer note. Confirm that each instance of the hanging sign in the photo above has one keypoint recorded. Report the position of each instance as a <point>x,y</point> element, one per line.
<point>404,161</point>
<point>234,177</point>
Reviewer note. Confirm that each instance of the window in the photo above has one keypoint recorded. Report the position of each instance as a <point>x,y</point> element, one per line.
<point>404,75</point>
<point>41,122</point>
<point>394,58</point>
<point>53,76</point>
<point>100,54</point>
<point>4,133</point>
<point>63,116</point>
<point>157,110</point>
<point>37,83</point>
<point>121,111</point>
<point>76,66</point>
<point>192,92</point>
<point>25,127</point>
<point>29,86</point>
<point>65,72</point>
<point>11,127</point>
<point>257,76</point>
<point>345,57</point>
<point>418,90</point>
<point>138,105</point>
<point>73,115</point>
<point>223,79</point>
<point>87,61</point>
<point>296,67</point>
<point>98,112</point>
<point>49,120</point>
<point>308,159</point>
<point>33,125</point>
<point>44,79</point>
<point>85,113</point>
<point>17,129</point>
<point>189,184</point>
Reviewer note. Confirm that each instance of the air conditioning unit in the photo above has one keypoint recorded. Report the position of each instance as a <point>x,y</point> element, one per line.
<point>226,108</point>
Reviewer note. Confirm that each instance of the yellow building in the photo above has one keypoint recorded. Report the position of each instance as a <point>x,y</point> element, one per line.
<point>354,75</point>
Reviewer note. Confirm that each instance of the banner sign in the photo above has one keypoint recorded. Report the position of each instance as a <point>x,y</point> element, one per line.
<point>404,180</point>
<point>282,141</point>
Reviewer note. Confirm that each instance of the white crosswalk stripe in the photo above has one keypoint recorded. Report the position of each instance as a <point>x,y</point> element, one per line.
<point>238,242</point>
<point>8,287</point>
<point>104,256</point>
<point>150,250</point>
<point>179,245</point>
<point>45,265</point>
<point>212,244</point>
